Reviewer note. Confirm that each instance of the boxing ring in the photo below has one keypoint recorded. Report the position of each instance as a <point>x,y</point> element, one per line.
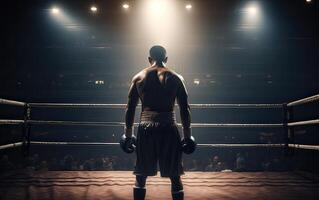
<point>198,185</point>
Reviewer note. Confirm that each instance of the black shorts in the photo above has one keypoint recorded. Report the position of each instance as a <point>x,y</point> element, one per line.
<point>158,145</point>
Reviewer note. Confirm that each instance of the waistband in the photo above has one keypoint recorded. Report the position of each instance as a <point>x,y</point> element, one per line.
<point>158,117</point>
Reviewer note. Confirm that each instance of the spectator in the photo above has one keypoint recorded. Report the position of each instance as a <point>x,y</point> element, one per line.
<point>240,163</point>
<point>108,164</point>
<point>213,165</point>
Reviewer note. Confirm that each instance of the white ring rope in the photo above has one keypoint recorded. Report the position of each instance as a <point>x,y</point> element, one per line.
<point>112,144</point>
<point>75,143</point>
<point>198,106</point>
<point>12,103</point>
<point>241,145</point>
<point>303,123</point>
<point>296,146</point>
<point>76,123</point>
<point>85,123</point>
<point>304,146</point>
<point>78,105</point>
<point>195,125</point>
<point>304,101</point>
<point>12,145</point>
<point>122,106</point>
<point>11,121</point>
<point>220,125</point>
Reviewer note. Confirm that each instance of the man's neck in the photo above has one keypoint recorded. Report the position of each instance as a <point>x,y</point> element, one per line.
<point>158,64</point>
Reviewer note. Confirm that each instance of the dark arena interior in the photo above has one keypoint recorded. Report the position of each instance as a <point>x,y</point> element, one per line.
<point>250,67</point>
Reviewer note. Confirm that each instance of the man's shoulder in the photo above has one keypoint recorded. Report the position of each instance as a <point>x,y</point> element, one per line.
<point>140,75</point>
<point>175,75</point>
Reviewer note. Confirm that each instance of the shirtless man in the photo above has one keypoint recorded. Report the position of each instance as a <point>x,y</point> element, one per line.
<point>158,139</point>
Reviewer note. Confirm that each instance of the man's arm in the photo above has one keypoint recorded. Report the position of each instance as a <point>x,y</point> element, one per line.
<point>182,101</point>
<point>130,109</point>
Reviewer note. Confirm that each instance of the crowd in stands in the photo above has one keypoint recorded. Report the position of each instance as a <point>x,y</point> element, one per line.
<point>68,163</point>
<point>241,162</point>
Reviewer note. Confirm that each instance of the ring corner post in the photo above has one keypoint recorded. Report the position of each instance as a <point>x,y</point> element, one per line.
<point>26,129</point>
<point>288,116</point>
<point>285,125</point>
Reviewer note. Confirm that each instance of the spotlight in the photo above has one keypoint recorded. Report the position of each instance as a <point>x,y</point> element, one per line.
<point>55,10</point>
<point>93,9</point>
<point>253,10</point>
<point>126,6</point>
<point>308,1</point>
<point>188,6</point>
<point>252,18</point>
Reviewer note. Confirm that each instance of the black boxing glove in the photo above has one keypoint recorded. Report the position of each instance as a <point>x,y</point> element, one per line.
<point>188,145</point>
<point>128,144</point>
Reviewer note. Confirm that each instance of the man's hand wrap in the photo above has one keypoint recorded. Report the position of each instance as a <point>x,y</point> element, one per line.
<point>188,145</point>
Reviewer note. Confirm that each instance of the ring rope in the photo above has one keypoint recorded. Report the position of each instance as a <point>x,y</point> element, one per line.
<point>11,121</point>
<point>72,105</point>
<point>303,146</point>
<point>112,144</point>
<point>76,123</point>
<point>195,125</point>
<point>12,145</point>
<point>304,100</point>
<point>302,123</point>
<point>74,143</point>
<point>241,145</point>
<point>220,125</point>
<point>11,102</point>
<point>66,105</point>
<point>296,146</point>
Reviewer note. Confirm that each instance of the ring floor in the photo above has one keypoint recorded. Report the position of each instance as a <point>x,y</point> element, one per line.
<point>197,185</point>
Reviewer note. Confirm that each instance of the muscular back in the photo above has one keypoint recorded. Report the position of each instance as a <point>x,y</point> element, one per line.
<point>158,88</point>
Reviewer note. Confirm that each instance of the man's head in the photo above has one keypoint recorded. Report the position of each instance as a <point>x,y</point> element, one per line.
<point>157,55</point>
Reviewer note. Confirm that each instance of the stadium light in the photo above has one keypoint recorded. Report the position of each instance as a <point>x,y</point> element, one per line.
<point>55,10</point>
<point>252,17</point>
<point>253,10</point>
<point>93,9</point>
<point>188,6</point>
<point>125,6</point>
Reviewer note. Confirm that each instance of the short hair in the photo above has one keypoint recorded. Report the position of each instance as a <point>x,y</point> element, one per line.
<point>158,53</point>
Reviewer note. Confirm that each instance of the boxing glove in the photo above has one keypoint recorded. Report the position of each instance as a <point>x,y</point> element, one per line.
<point>188,145</point>
<point>128,144</point>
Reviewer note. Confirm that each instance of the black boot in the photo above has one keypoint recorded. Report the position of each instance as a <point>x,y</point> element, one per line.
<point>139,193</point>
<point>179,195</point>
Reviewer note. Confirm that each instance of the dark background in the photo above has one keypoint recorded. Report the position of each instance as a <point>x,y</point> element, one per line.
<point>46,62</point>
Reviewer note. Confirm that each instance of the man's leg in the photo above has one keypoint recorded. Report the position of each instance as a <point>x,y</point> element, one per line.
<point>139,188</point>
<point>177,188</point>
